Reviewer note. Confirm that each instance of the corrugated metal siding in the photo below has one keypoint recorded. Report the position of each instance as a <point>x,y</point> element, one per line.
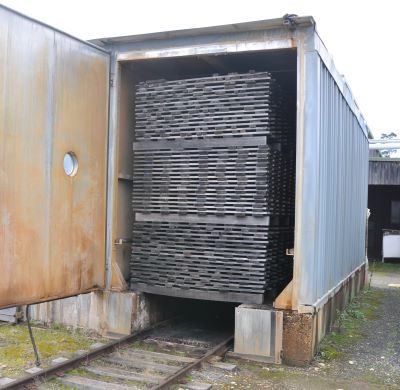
<point>335,171</point>
<point>384,173</point>
<point>374,153</point>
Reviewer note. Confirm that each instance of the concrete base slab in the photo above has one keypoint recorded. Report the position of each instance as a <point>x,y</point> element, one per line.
<point>81,352</point>
<point>105,312</point>
<point>6,381</point>
<point>158,356</point>
<point>126,362</point>
<point>96,346</point>
<point>119,373</point>
<point>225,366</point>
<point>59,360</point>
<point>78,382</point>
<point>196,386</point>
<point>251,358</point>
<point>33,370</point>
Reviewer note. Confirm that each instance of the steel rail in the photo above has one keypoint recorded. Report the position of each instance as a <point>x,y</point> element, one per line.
<point>71,363</point>
<point>220,349</point>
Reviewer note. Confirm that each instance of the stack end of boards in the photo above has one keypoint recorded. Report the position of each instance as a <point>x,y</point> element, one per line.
<point>213,187</point>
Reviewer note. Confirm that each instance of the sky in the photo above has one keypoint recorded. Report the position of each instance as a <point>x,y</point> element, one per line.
<point>362,36</point>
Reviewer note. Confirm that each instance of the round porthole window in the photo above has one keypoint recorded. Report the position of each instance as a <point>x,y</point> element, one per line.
<point>70,164</point>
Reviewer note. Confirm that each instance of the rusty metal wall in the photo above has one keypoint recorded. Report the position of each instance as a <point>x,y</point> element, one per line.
<point>53,100</point>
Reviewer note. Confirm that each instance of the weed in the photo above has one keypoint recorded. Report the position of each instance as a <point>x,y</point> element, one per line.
<point>378,266</point>
<point>350,324</point>
<point>16,349</point>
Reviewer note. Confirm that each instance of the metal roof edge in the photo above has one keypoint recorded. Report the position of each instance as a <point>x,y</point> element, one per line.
<point>87,43</point>
<point>384,159</point>
<point>341,83</point>
<point>299,21</point>
<point>303,21</point>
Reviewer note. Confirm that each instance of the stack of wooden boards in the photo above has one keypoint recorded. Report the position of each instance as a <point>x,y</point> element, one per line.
<point>213,187</point>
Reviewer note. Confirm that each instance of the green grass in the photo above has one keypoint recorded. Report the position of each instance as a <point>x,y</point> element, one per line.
<point>273,372</point>
<point>16,351</point>
<point>351,324</point>
<point>378,266</point>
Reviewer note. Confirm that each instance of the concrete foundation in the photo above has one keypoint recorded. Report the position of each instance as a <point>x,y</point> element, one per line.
<point>106,313</point>
<point>260,331</point>
<point>261,336</point>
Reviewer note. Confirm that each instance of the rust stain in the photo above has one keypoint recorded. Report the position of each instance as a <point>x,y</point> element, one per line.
<point>54,99</point>
<point>284,299</point>
<point>298,338</point>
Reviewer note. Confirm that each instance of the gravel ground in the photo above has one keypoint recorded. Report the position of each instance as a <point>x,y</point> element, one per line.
<point>376,358</point>
<point>364,355</point>
<point>367,353</point>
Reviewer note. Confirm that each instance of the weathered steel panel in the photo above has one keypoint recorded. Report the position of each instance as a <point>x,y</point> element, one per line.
<point>330,229</point>
<point>384,172</point>
<point>331,151</point>
<point>53,100</point>
<point>258,333</point>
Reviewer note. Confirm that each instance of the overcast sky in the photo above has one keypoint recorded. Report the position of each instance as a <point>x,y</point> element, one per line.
<point>362,36</point>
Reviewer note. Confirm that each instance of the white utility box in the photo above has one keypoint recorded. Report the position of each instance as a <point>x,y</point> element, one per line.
<point>390,244</point>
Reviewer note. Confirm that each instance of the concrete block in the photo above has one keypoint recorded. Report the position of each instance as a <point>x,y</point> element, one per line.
<point>6,381</point>
<point>258,332</point>
<point>78,382</point>
<point>59,360</point>
<point>119,373</point>
<point>104,312</point>
<point>33,370</point>
<point>196,386</point>
<point>81,352</point>
<point>96,346</point>
<point>225,366</point>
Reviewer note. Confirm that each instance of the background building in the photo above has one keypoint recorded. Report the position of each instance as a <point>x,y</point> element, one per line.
<point>383,200</point>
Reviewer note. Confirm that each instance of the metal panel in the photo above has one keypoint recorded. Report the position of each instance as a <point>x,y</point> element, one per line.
<point>383,172</point>
<point>258,333</point>
<point>390,244</point>
<point>11,315</point>
<point>54,100</point>
<point>330,229</point>
<point>210,41</point>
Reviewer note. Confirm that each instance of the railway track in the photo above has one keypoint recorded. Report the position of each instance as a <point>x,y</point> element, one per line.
<point>157,358</point>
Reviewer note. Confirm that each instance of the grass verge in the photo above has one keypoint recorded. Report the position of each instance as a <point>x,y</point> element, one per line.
<point>350,325</point>
<point>16,352</point>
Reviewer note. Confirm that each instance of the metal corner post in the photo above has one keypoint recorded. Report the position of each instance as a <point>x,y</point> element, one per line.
<point>306,166</point>
<point>111,171</point>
